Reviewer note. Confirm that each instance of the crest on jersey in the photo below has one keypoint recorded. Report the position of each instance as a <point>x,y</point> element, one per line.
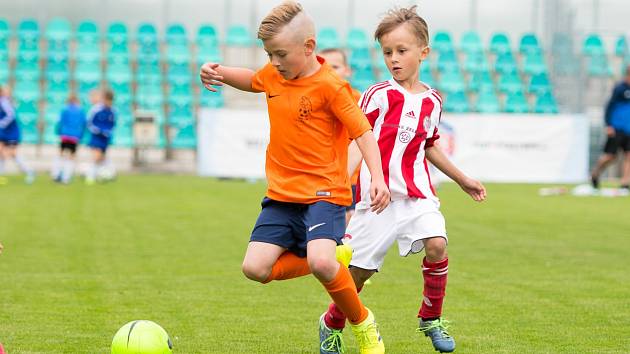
<point>404,137</point>
<point>305,108</point>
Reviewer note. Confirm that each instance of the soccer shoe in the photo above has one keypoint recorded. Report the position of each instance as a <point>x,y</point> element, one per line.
<point>368,337</point>
<point>330,339</point>
<point>436,330</point>
<point>344,254</point>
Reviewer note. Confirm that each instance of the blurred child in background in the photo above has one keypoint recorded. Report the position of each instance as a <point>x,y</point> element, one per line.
<point>101,121</point>
<point>10,137</point>
<point>70,128</point>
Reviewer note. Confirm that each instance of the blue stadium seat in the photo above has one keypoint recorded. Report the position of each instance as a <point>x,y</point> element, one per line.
<point>593,45</point>
<point>500,43</point>
<point>456,102</point>
<point>28,40</point>
<point>442,42</point>
<point>516,103</point>
<point>534,63</point>
<point>88,32</point>
<point>207,35</point>
<point>487,102</point>
<point>546,103</point>
<point>5,30</point>
<point>539,84</point>
<point>210,99</point>
<point>150,97</point>
<point>481,81</point>
<point>362,78</point>
<point>475,62</point>
<point>58,71</point>
<point>451,81</point>
<point>176,34</point>
<point>360,59</point>
<point>4,71</point>
<point>357,39</point>
<point>510,83</point>
<point>598,66</point>
<point>505,63</point>
<point>185,136</point>
<point>58,30</point>
<point>621,47</point>
<point>471,43</point>
<point>426,75</point>
<point>149,74</point>
<point>327,37</point>
<point>238,36</point>
<point>27,70</point>
<point>447,61</point>
<point>529,44</point>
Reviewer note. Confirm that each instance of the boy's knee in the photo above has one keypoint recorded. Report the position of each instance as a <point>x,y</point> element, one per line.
<point>323,268</point>
<point>435,249</point>
<point>255,272</point>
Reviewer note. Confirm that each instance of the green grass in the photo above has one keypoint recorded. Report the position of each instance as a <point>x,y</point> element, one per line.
<point>527,274</point>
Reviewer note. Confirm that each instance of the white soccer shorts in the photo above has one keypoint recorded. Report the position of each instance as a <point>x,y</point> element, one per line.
<point>408,221</point>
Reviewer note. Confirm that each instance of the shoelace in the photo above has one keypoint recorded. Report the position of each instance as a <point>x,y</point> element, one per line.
<point>440,324</point>
<point>365,339</point>
<point>334,342</point>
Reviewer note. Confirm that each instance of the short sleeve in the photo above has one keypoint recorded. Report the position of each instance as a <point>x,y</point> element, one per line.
<point>258,80</point>
<point>345,108</point>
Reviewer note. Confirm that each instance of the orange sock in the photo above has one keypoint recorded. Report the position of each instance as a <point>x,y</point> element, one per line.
<point>288,266</point>
<point>344,293</point>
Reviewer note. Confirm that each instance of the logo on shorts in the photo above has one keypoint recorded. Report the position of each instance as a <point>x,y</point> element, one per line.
<point>348,236</point>
<point>311,228</point>
<point>404,137</point>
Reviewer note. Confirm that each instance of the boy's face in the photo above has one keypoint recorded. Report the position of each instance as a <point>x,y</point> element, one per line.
<point>95,97</point>
<point>403,52</point>
<point>288,54</point>
<point>336,61</point>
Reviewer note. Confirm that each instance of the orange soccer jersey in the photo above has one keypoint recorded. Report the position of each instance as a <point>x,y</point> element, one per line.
<point>354,179</point>
<point>311,120</point>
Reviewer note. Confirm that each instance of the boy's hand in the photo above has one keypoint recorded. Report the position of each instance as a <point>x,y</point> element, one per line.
<point>473,187</point>
<point>379,193</point>
<point>210,77</point>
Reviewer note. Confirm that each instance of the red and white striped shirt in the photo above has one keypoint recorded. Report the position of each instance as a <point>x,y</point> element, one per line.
<point>404,125</point>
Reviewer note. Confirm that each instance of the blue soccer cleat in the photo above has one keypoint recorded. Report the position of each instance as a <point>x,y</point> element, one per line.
<point>437,331</point>
<point>330,340</point>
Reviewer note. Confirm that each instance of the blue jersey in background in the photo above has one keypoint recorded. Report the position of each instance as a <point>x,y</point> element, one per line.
<point>72,122</point>
<point>9,129</point>
<point>618,109</point>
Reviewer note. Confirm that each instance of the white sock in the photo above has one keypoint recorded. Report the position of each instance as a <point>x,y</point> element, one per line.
<point>1,167</point>
<point>91,173</point>
<point>57,167</point>
<point>68,170</point>
<point>22,166</point>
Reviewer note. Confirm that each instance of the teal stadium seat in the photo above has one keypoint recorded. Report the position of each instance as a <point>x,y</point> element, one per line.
<point>176,34</point>
<point>475,62</point>
<point>123,134</point>
<point>362,78</point>
<point>88,43</point>
<point>28,41</point>
<point>621,47</point>
<point>238,36</point>
<point>500,43</point>
<point>456,102</point>
<point>442,42</point>
<point>148,51</point>
<point>481,81</point>
<point>534,63</point>
<point>539,84</point>
<point>5,35</point>
<point>327,37</point>
<point>4,71</point>
<point>563,57</point>
<point>510,83</point>
<point>207,45</point>
<point>207,35</point>
<point>516,103</point>
<point>471,43</point>
<point>28,130</point>
<point>185,136</point>
<point>58,34</point>
<point>26,90</point>
<point>598,66</point>
<point>487,102</point>
<point>546,103</point>
<point>119,73</point>
<point>357,39</point>
<point>179,75</point>
<point>150,97</point>
<point>360,59</point>
<point>177,50</point>
<point>117,38</point>
<point>58,71</point>
<point>529,44</point>
<point>505,63</point>
<point>87,31</point>
<point>149,74</point>
<point>27,70</point>
<point>452,81</point>
<point>593,45</point>
<point>426,75</point>
<point>447,61</point>
<point>88,77</point>
<point>208,99</point>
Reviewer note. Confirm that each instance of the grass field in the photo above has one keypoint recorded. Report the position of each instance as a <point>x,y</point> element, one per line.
<point>527,274</point>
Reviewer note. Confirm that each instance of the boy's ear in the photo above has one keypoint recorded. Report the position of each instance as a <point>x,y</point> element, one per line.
<point>309,46</point>
<point>425,53</point>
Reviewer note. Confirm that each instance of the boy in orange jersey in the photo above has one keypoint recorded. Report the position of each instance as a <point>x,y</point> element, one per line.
<point>337,59</point>
<point>312,115</point>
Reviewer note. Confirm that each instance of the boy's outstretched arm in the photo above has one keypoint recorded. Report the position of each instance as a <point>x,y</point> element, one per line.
<point>214,74</point>
<point>379,193</point>
<point>471,186</point>
<point>354,157</point>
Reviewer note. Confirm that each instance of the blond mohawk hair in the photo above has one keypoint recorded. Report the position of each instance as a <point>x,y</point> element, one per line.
<point>279,17</point>
<point>399,16</point>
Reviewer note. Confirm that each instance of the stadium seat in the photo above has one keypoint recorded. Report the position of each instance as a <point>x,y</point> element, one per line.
<point>442,42</point>
<point>621,47</point>
<point>5,30</point>
<point>179,75</point>
<point>360,59</point>
<point>500,43</point>
<point>5,35</point>
<point>593,45</point>
<point>28,40</point>
<point>451,81</point>
<point>481,81</point>
<point>27,70</point>
<point>529,44</point>
<point>210,99</point>
<point>4,71</point>
<point>148,51</point>
<point>89,47</point>
<point>149,74</point>
<point>456,102</point>
<point>426,75</point>
<point>146,34</point>
<point>534,63</point>
<point>475,62</point>
<point>327,37</point>
<point>238,36</point>
<point>56,93</point>
<point>471,43</point>
<point>28,130</point>
<point>176,34</point>
<point>539,84</point>
<point>150,97</point>
<point>357,39</point>
<point>598,66</point>
<point>510,83</point>
<point>447,61</point>
<point>123,134</point>
<point>505,63</point>
<point>207,36</point>
<point>118,73</point>
<point>177,50</point>
<point>88,32</point>
<point>208,52</point>
<point>546,103</point>
<point>487,102</point>
<point>183,136</point>
<point>58,30</point>
<point>58,71</point>
<point>516,103</point>
<point>118,51</point>
<point>362,78</point>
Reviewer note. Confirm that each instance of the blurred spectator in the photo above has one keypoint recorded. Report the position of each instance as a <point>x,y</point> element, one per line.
<point>10,136</point>
<point>70,128</point>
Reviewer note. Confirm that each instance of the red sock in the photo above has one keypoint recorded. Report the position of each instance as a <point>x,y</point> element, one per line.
<point>288,266</point>
<point>334,317</point>
<point>435,275</point>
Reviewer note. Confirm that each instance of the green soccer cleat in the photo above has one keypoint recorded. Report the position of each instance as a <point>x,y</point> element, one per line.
<point>368,337</point>
<point>330,339</point>
<point>437,331</point>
